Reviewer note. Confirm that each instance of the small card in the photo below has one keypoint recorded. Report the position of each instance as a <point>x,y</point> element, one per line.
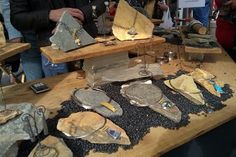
<point>39,87</point>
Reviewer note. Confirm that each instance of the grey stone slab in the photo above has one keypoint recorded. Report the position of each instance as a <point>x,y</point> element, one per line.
<point>63,36</point>
<point>90,98</point>
<point>141,93</point>
<point>15,129</point>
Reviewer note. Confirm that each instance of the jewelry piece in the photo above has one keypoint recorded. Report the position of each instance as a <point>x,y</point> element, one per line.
<point>75,32</point>
<point>41,150</point>
<point>131,30</point>
<point>94,13</point>
<point>91,133</point>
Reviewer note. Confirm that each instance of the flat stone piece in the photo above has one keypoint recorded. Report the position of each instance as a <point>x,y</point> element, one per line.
<point>92,127</point>
<point>70,34</point>
<point>126,74</point>
<point>141,25</point>
<point>15,129</point>
<point>146,94</point>
<point>7,115</point>
<point>185,85</point>
<point>55,147</point>
<point>90,98</point>
<point>203,78</point>
<point>12,150</point>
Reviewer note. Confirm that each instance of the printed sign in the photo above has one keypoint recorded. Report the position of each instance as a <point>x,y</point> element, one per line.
<point>191,3</point>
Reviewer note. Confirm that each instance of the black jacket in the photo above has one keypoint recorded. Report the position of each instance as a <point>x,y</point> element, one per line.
<point>33,15</point>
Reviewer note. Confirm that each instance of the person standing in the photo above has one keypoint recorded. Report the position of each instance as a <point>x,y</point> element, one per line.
<point>202,13</point>
<point>226,26</point>
<point>37,18</point>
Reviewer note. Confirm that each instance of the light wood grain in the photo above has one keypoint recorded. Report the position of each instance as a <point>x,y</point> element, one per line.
<point>159,140</point>
<point>99,49</point>
<point>215,50</point>
<point>11,49</point>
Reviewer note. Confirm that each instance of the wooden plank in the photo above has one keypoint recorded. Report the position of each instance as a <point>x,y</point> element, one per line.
<point>159,140</point>
<point>12,49</point>
<point>215,50</point>
<point>58,56</point>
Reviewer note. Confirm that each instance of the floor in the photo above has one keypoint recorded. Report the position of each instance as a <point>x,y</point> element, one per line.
<point>220,142</point>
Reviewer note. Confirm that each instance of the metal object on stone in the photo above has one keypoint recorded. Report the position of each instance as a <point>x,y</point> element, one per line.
<point>41,150</point>
<point>15,130</point>
<point>162,60</point>
<point>97,100</point>
<point>126,74</point>
<point>144,94</point>
<point>92,127</point>
<point>70,34</point>
<point>207,80</point>
<point>185,85</point>
<point>134,26</point>
<point>58,148</point>
<point>2,36</point>
<point>170,55</point>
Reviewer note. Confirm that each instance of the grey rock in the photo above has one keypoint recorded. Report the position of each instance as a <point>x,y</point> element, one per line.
<point>15,129</point>
<point>121,74</point>
<point>63,36</point>
<point>91,99</point>
<point>143,94</point>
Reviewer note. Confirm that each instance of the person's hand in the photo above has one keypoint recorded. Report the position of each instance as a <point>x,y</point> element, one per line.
<point>163,6</point>
<point>55,15</point>
<point>232,3</point>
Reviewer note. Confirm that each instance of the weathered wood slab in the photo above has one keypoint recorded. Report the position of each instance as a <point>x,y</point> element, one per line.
<point>99,49</point>
<point>11,49</point>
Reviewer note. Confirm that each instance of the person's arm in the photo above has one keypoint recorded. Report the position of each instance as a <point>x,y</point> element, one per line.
<point>13,34</point>
<point>87,10</point>
<point>25,19</point>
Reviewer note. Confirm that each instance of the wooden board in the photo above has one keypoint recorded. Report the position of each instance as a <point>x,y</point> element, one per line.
<point>12,49</point>
<point>58,56</point>
<point>215,50</point>
<point>159,140</point>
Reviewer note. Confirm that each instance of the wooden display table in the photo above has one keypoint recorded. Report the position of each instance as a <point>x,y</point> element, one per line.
<point>159,140</point>
<point>99,49</point>
<point>12,49</point>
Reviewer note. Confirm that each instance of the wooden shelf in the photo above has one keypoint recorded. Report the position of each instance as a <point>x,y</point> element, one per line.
<point>99,49</point>
<point>215,50</point>
<point>11,49</point>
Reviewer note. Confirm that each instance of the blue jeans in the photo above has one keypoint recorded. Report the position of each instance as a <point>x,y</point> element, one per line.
<point>31,59</point>
<point>5,10</point>
<point>51,69</point>
<point>36,65</point>
<point>202,14</point>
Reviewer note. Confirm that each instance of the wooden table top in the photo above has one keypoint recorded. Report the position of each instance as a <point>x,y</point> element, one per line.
<point>98,49</point>
<point>11,49</point>
<point>159,140</point>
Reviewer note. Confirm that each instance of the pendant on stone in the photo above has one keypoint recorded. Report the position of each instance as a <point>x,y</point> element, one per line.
<point>43,150</point>
<point>77,41</point>
<point>132,31</point>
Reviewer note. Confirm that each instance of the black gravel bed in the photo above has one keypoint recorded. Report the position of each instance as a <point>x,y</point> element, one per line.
<point>136,121</point>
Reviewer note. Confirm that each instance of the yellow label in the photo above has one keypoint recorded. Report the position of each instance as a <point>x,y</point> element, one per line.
<point>109,106</point>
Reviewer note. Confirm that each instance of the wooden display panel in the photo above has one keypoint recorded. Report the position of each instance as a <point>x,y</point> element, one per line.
<point>11,49</point>
<point>99,49</point>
